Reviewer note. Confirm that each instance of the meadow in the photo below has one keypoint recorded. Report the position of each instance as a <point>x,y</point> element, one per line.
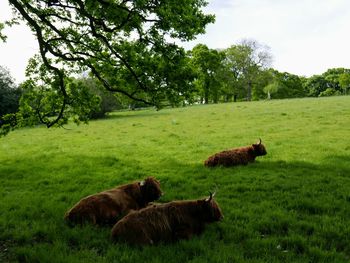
<point>292,205</point>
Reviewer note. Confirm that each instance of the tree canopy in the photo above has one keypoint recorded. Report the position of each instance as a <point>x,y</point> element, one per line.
<point>344,81</point>
<point>206,64</point>
<point>128,46</point>
<point>245,61</point>
<point>284,85</point>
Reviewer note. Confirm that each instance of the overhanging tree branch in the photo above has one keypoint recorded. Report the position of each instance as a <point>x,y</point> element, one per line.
<point>43,47</point>
<point>124,44</point>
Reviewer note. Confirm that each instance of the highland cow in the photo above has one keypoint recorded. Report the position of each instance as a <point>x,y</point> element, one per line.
<point>236,156</point>
<point>109,206</point>
<point>166,222</point>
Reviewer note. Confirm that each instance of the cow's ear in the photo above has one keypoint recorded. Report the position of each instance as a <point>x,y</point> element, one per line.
<point>142,183</point>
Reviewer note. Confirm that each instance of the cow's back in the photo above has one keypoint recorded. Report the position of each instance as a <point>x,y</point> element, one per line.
<point>236,156</point>
<point>144,227</point>
<point>122,200</point>
<point>225,158</point>
<point>102,208</point>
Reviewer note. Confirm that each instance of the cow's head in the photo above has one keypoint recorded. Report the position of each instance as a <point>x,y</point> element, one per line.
<point>211,209</point>
<point>150,189</point>
<point>259,148</point>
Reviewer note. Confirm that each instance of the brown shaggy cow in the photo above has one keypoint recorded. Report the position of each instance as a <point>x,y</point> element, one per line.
<point>109,206</point>
<point>166,222</point>
<point>236,156</point>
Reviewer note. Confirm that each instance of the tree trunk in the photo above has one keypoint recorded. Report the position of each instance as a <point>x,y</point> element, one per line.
<point>215,97</point>
<point>228,97</point>
<point>206,98</point>
<point>206,93</point>
<point>249,91</point>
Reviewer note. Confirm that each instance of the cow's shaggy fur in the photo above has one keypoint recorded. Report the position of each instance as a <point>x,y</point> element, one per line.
<point>236,156</point>
<point>166,222</point>
<point>109,206</point>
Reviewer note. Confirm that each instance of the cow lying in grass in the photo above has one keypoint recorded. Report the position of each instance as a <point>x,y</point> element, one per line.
<point>236,156</point>
<point>109,206</point>
<point>166,222</point>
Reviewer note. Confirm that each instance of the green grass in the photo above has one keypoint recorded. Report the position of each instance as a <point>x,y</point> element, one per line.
<point>292,205</point>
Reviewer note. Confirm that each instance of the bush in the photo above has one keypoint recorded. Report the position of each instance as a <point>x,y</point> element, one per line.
<point>108,101</point>
<point>9,93</point>
<point>329,92</point>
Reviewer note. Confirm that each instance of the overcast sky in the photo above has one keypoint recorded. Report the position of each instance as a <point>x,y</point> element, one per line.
<point>306,37</point>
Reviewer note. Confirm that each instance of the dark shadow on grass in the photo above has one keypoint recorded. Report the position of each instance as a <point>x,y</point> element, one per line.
<point>133,114</point>
<point>89,174</point>
<point>338,163</point>
<point>85,166</point>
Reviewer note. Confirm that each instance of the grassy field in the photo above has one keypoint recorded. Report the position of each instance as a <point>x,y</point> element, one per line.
<point>292,205</point>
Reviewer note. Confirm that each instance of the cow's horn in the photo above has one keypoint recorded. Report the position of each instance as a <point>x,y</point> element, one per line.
<point>142,183</point>
<point>210,197</point>
<point>259,140</point>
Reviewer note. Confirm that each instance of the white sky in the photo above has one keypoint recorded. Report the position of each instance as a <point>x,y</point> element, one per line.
<point>306,37</point>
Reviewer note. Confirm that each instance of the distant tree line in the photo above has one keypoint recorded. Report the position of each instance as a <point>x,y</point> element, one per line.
<point>241,72</point>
